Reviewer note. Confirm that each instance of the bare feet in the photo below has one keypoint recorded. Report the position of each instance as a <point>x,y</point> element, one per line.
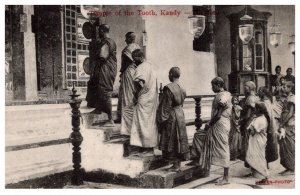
<point>222,181</point>
<point>96,111</point>
<point>287,172</point>
<point>174,168</point>
<point>192,163</point>
<point>109,123</point>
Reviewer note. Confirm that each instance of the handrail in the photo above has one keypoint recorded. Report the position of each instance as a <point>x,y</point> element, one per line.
<point>200,96</point>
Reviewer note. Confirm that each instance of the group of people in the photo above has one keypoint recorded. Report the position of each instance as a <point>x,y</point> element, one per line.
<point>148,121</point>
<point>249,130</point>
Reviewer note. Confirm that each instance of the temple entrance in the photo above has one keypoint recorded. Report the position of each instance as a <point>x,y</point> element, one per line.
<point>48,38</point>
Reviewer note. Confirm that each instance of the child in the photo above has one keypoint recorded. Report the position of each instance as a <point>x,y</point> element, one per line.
<point>235,137</point>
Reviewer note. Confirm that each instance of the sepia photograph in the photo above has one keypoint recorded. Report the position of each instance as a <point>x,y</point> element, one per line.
<point>149,96</point>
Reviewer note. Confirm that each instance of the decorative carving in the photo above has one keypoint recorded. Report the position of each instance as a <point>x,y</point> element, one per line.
<point>198,120</point>
<point>76,138</point>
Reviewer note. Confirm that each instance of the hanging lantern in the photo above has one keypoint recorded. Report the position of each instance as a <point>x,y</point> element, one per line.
<point>292,44</point>
<point>275,34</point>
<point>196,25</point>
<point>246,32</point>
<point>88,11</point>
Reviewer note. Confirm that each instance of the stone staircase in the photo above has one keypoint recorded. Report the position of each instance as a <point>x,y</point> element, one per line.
<point>107,150</point>
<point>37,145</point>
<point>105,155</point>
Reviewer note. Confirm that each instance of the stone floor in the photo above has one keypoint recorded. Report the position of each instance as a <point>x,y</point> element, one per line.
<point>238,179</point>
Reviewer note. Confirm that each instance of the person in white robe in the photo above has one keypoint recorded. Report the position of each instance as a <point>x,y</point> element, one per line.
<point>144,132</point>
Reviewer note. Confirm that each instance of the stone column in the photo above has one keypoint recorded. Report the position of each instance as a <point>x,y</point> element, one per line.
<point>23,54</point>
<point>29,55</point>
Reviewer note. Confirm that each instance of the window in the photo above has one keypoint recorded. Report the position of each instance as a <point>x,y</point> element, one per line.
<point>259,50</point>
<point>247,57</point>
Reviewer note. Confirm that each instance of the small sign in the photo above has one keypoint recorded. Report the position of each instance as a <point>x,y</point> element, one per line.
<point>83,67</point>
<point>80,34</point>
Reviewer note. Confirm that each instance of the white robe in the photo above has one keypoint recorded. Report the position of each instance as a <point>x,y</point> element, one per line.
<point>144,131</point>
<point>256,153</point>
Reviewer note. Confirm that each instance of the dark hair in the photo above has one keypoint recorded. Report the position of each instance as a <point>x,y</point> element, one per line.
<point>129,34</point>
<point>104,28</point>
<point>260,108</point>
<point>289,69</point>
<point>281,78</point>
<point>277,67</point>
<point>235,97</point>
<point>218,81</point>
<point>138,53</point>
<point>266,92</point>
<point>175,71</point>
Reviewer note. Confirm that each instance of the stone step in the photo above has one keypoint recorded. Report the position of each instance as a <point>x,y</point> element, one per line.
<point>163,178</point>
<point>93,185</point>
<point>108,154</point>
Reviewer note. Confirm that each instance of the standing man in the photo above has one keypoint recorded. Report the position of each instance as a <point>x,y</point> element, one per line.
<point>216,149</point>
<point>105,73</point>
<point>171,122</point>
<point>290,78</point>
<point>144,132</point>
<point>126,90</point>
<point>276,77</point>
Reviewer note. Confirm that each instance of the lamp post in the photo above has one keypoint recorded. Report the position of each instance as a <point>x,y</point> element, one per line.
<point>292,47</point>
<point>275,34</point>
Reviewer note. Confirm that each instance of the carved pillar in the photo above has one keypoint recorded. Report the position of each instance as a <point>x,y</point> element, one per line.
<point>76,138</point>
<point>198,120</point>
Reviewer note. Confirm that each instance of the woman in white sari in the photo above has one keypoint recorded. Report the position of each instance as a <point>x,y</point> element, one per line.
<point>256,153</point>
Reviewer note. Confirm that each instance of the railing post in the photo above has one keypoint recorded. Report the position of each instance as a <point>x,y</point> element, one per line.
<point>76,138</point>
<point>198,120</point>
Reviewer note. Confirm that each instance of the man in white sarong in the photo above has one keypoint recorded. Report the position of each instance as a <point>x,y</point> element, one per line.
<point>126,90</point>
<point>144,133</point>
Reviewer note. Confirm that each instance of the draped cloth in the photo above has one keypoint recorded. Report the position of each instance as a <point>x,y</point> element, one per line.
<point>287,144</point>
<point>126,62</point>
<point>272,143</point>
<point>235,137</point>
<point>104,74</point>
<point>250,102</point>
<point>144,131</point>
<point>256,155</point>
<point>216,148</point>
<point>126,90</point>
<point>171,123</point>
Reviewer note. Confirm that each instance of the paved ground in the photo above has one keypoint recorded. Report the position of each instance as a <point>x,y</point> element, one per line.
<point>238,179</point>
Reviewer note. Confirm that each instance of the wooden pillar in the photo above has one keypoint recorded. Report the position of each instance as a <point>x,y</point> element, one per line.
<point>76,138</point>
<point>198,120</point>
